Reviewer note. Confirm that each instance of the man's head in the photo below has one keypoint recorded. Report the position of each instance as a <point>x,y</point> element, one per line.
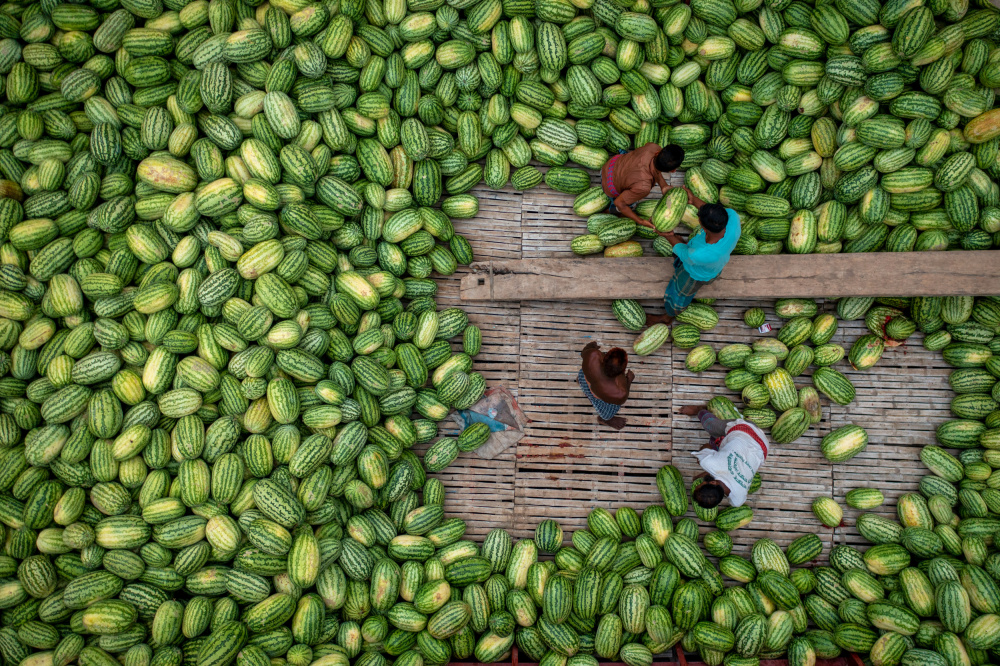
<point>669,158</point>
<point>615,361</point>
<point>713,217</point>
<point>708,494</point>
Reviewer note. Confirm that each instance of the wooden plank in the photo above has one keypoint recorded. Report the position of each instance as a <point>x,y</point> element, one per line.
<point>806,276</point>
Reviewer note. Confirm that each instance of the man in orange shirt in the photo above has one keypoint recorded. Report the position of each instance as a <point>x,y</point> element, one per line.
<point>628,177</point>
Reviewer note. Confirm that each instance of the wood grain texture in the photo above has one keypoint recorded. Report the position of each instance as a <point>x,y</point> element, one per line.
<point>781,276</point>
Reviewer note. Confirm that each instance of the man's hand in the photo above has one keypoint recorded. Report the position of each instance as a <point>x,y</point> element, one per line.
<point>691,410</point>
<point>625,210</point>
<point>591,345</point>
<point>673,238</point>
<point>615,422</point>
<point>692,199</point>
<point>630,375</point>
<point>645,223</point>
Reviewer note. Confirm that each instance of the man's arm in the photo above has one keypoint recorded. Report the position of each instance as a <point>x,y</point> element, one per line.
<point>661,182</point>
<point>692,199</point>
<point>665,234</point>
<point>625,209</point>
<point>673,238</point>
<point>624,382</point>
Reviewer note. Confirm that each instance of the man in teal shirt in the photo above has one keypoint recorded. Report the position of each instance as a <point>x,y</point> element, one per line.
<point>699,260</point>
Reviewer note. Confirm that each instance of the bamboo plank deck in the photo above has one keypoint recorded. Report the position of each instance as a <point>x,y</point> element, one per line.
<point>567,464</point>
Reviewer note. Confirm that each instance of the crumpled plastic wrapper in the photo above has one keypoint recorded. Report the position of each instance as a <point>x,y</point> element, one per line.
<point>499,410</point>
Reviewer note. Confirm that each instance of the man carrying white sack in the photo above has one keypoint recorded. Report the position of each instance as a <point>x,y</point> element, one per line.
<point>731,458</point>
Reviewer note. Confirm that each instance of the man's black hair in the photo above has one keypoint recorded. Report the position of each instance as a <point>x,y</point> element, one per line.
<point>713,217</point>
<point>669,158</point>
<point>615,362</point>
<point>708,495</point>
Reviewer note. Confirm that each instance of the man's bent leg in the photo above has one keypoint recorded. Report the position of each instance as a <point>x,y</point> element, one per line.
<point>681,290</point>
<point>676,298</point>
<point>713,425</point>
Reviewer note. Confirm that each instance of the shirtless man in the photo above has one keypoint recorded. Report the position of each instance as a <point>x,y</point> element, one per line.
<point>606,382</point>
<point>627,178</point>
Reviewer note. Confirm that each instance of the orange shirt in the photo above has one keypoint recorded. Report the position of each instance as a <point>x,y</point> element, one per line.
<point>634,174</point>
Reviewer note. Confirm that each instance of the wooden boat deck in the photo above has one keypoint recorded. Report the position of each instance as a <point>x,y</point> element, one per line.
<point>567,464</point>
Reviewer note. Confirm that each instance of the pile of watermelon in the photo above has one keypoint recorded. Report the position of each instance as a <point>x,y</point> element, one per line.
<point>763,373</point>
<point>210,208</point>
<point>925,593</point>
<point>836,127</point>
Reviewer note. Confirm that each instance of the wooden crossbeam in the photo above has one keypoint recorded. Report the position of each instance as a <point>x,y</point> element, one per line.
<point>760,276</point>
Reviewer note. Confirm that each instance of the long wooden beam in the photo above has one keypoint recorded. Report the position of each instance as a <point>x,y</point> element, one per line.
<point>763,276</point>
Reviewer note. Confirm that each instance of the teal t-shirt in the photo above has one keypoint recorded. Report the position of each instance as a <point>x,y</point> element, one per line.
<point>704,261</point>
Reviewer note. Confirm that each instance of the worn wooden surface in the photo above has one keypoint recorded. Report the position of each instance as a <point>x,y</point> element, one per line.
<point>567,464</point>
<point>798,275</point>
